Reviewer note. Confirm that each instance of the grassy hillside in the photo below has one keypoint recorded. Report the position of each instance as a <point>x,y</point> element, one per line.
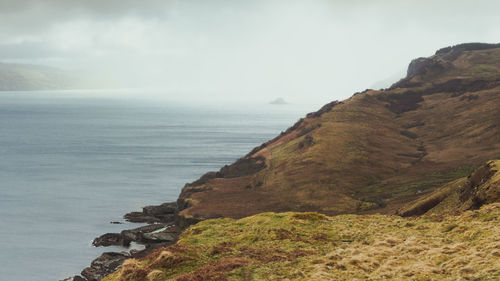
<point>373,152</point>
<point>479,188</point>
<point>454,238</point>
<point>310,246</point>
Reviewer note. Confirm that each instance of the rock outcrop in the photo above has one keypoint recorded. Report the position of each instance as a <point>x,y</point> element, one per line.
<point>163,213</point>
<point>104,265</point>
<point>162,231</point>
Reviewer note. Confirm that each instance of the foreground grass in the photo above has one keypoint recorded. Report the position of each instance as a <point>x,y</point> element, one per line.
<point>310,246</point>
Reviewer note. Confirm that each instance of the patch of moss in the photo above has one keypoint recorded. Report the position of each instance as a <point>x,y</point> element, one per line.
<point>365,206</point>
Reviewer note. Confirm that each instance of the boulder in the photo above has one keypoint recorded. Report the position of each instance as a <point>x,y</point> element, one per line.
<point>75,278</point>
<point>137,234</point>
<point>104,265</point>
<point>159,237</point>
<point>110,239</point>
<point>140,217</point>
<point>153,214</point>
<point>160,210</point>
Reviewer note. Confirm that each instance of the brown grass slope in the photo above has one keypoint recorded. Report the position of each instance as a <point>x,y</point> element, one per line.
<point>310,246</point>
<point>479,188</point>
<point>373,152</point>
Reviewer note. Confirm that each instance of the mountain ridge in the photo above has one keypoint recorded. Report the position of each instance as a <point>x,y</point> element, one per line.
<point>393,137</point>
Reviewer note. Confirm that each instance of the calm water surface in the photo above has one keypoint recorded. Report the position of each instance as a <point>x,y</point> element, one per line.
<point>70,164</point>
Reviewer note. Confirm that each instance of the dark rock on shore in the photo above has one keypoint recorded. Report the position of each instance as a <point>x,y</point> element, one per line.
<point>110,239</point>
<point>104,265</point>
<point>159,237</point>
<point>137,234</point>
<point>124,238</point>
<point>161,231</point>
<point>154,214</point>
<point>140,217</point>
<point>75,278</point>
<point>160,210</point>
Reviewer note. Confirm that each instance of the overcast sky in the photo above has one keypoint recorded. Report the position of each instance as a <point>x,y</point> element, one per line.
<point>318,50</point>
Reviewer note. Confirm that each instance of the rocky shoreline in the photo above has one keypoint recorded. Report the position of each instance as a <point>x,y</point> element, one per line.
<point>162,230</point>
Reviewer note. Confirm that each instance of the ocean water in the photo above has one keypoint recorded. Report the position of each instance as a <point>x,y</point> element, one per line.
<point>70,164</point>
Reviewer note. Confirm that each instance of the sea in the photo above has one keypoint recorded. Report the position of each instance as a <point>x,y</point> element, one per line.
<point>71,163</point>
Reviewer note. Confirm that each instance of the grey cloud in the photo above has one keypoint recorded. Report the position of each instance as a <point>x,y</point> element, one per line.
<point>32,16</point>
<point>316,48</point>
<point>31,50</point>
<point>99,7</point>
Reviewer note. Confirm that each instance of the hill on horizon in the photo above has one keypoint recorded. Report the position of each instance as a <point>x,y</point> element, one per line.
<point>31,77</point>
<point>27,77</point>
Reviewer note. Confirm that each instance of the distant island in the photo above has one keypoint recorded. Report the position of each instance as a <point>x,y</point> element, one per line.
<point>26,77</point>
<point>278,101</point>
<point>31,77</point>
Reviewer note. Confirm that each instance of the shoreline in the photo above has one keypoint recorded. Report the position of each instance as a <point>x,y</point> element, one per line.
<point>162,229</point>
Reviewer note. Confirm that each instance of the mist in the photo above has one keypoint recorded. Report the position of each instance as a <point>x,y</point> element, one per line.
<point>304,51</point>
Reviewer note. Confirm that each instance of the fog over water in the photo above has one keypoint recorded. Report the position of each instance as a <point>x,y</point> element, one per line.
<point>317,50</point>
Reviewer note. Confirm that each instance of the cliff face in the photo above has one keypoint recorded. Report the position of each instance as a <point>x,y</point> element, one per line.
<point>373,152</point>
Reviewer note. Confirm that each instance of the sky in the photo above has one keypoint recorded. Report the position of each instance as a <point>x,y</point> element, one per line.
<point>308,50</point>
